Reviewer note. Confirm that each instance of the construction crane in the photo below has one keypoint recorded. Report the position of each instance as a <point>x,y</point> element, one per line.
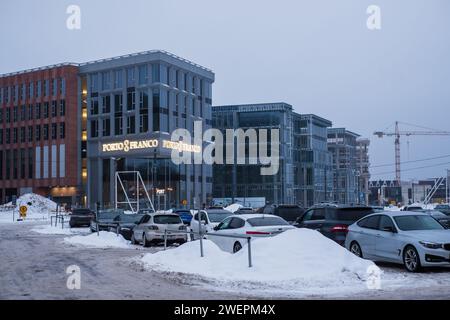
<point>397,133</point>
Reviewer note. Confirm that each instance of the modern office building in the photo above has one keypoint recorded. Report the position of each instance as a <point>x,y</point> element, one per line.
<point>314,169</point>
<point>342,145</point>
<point>363,174</point>
<point>38,133</point>
<point>133,103</point>
<point>305,163</point>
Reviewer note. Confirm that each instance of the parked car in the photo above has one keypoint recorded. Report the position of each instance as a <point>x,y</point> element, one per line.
<point>245,210</point>
<point>378,208</point>
<point>81,217</point>
<point>209,219</point>
<point>250,225</point>
<point>439,216</point>
<point>412,208</point>
<point>151,229</point>
<point>332,221</point>
<point>288,212</point>
<point>124,224</point>
<point>444,208</point>
<point>104,219</point>
<point>413,239</point>
<point>185,215</point>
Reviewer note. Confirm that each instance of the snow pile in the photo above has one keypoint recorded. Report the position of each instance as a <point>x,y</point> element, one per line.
<point>234,207</point>
<point>47,229</point>
<point>103,240</point>
<point>38,207</point>
<point>298,260</point>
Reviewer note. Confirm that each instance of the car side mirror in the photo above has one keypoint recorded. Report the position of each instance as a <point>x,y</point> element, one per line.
<point>216,228</point>
<point>389,229</point>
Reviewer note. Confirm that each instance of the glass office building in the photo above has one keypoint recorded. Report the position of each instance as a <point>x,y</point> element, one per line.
<point>131,105</point>
<point>305,164</point>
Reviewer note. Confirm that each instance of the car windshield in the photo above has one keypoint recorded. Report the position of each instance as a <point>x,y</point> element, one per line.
<point>442,206</point>
<point>131,218</point>
<point>352,214</point>
<point>167,219</point>
<point>267,221</point>
<point>218,216</point>
<point>410,223</point>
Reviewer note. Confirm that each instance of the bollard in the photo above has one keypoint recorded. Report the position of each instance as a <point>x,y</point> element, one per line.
<point>165,239</point>
<point>249,244</point>
<point>201,241</point>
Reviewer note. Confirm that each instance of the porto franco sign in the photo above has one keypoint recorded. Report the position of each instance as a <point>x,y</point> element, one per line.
<point>127,145</point>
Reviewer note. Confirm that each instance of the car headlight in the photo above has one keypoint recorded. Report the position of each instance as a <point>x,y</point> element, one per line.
<point>431,245</point>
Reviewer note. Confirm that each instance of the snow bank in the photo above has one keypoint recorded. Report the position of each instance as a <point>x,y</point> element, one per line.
<point>104,240</point>
<point>298,259</point>
<point>47,229</point>
<point>234,207</point>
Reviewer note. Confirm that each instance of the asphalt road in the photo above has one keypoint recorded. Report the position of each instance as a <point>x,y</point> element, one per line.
<point>33,266</point>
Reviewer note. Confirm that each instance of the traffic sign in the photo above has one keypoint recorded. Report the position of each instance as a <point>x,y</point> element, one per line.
<point>184,202</point>
<point>23,211</point>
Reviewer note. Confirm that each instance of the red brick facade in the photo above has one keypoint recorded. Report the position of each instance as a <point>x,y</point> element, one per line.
<point>57,179</point>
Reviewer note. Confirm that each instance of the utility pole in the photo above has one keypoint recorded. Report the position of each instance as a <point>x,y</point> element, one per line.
<point>397,153</point>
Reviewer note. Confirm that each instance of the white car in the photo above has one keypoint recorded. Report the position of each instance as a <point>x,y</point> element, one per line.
<point>247,225</point>
<point>209,219</point>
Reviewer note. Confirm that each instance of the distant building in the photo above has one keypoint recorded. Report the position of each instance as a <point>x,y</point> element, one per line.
<point>363,174</point>
<point>305,174</point>
<point>342,144</point>
<point>385,192</point>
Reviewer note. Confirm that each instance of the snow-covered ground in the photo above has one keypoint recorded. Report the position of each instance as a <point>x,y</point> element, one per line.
<point>103,240</point>
<point>297,262</point>
<point>48,229</point>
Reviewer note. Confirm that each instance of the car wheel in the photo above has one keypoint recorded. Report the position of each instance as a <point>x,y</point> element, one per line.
<point>411,259</point>
<point>133,239</point>
<point>356,249</point>
<point>237,246</point>
<point>145,242</point>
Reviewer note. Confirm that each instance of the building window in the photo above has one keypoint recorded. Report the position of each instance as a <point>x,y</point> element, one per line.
<point>156,75</point>
<point>62,130</point>
<point>46,87</point>
<point>94,83</point>
<point>15,134</point>
<point>38,110</point>
<point>15,164</point>
<point>54,87</point>
<point>118,103</point>
<point>118,126</point>
<point>54,114</point>
<point>23,136</point>
<point>45,133</point>
<point>30,90</point>
<point>177,79</point>
<point>38,133</point>
<point>30,112</point>
<point>54,131</point>
<point>1,142</point>
<point>62,87</point>
<point>8,115</point>
<point>23,113</point>
<point>156,110</point>
<point>8,136</point>
<point>143,123</point>
<point>131,124</point>
<point>143,75</point>
<point>30,163</point>
<point>118,83</point>
<point>22,164</point>
<point>38,89</point>
<point>130,77</point>
<point>131,99</point>
<point>143,100</point>
<point>106,127</point>
<point>94,128</point>
<point>106,81</point>
<point>62,108</point>
<point>30,134</point>
<point>106,104</point>
<point>45,115</point>
<point>94,106</point>
<point>15,113</point>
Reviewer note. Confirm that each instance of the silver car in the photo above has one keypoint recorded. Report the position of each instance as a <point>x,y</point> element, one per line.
<point>152,228</point>
<point>410,238</point>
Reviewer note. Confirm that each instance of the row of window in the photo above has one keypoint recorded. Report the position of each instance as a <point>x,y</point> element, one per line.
<point>33,133</point>
<point>16,162</point>
<point>160,73</point>
<point>39,111</point>
<point>38,89</point>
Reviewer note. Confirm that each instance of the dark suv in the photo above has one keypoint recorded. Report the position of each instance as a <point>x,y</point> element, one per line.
<point>332,221</point>
<point>81,217</point>
<point>290,213</point>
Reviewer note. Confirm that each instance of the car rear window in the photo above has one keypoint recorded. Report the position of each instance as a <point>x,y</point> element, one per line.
<point>107,215</point>
<point>351,214</point>
<point>81,211</point>
<point>130,218</point>
<point>167,219</point>
<point>267,221</point>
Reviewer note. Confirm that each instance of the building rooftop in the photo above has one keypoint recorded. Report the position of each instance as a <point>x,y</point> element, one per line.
<point>274,105</point>
<point>337,130</point>
<point>64,64</point>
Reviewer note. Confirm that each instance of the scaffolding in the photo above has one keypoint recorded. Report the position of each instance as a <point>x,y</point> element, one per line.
<point>133,202</point>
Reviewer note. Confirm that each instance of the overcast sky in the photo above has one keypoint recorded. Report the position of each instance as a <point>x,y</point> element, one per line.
<point>316,55</point>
